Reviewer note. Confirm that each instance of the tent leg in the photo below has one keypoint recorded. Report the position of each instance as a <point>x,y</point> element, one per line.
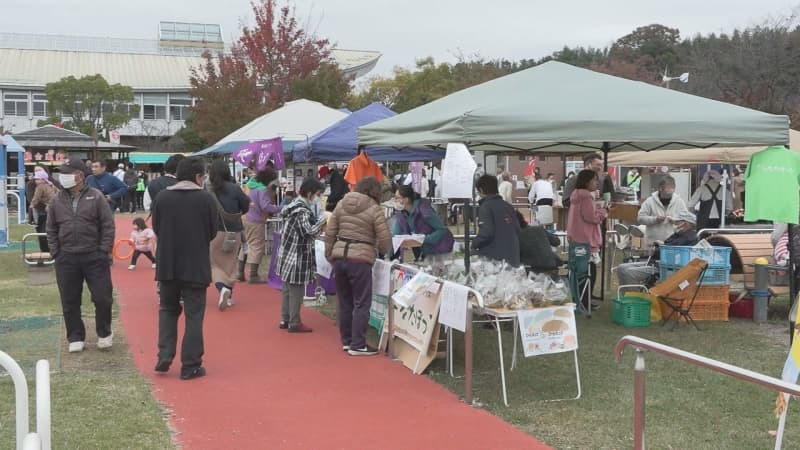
<point>604,226</point>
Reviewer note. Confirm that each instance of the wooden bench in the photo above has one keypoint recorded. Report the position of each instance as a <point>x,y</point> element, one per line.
<point>746,249</point>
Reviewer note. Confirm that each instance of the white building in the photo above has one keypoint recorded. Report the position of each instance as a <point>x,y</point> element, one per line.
<point>157,70</point>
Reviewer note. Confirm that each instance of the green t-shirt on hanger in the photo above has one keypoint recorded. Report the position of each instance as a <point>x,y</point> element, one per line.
<point>772,186</point>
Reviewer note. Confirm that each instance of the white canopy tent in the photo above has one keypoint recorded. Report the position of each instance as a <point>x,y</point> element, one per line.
<point>692,156</point>
<point>296,121</point>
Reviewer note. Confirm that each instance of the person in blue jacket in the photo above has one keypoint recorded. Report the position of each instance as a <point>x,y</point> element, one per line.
<point>112,187</point>
<point>417,216</point>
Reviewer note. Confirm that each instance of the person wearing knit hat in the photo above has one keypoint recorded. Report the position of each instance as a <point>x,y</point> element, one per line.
<point>44,192</point>
<point>646,273</point>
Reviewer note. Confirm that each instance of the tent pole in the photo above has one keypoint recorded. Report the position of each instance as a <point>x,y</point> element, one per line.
<point>604,226</point>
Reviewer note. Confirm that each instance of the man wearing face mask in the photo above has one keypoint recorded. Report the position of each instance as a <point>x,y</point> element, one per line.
<point>639,272</point>
<point>80,233</point>
<point>659,211</point>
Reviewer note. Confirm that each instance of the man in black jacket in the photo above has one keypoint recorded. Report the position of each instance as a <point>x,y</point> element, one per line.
<point>80,234</point>
<point>638,273</point>
<point>185,220</point>
<point>498,228</point>
<point>162,182</point>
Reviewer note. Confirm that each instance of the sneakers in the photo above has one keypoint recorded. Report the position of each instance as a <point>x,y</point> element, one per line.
<point>224,296</point>
<point>131,267</point>
<point>231,302</point>
<point>300,329</point>
<point>194,373</point>
<point>283,325</point>
<point>363,351</point>
<point>105,342</point>
<point>153,265</point>
<point>75,347</point>
<point>345,347</point>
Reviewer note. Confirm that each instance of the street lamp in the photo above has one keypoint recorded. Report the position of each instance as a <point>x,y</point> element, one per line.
<point>683,78</point>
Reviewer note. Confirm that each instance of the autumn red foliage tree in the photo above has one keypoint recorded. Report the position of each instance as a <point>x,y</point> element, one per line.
<point>277,51</point>
<point>258,74</point>
<point>227,96</point>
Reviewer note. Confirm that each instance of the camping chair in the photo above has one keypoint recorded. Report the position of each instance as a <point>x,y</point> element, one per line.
<point>580,283</point>
<point>679,291</point>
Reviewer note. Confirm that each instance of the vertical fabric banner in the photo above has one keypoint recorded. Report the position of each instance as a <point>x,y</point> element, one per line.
<point>416,176</point>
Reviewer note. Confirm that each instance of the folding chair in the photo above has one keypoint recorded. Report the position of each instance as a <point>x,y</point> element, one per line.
<point>580,283</point>
<point>679,291</point>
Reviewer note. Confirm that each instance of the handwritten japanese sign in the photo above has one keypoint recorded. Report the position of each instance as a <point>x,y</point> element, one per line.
<point>548,330</point>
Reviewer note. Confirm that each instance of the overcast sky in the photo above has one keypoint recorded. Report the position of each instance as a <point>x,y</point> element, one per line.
<point>404,30</point>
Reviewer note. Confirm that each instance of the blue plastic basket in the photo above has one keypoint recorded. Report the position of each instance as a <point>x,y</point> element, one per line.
<point>714,275</point>
<point>680,255</point>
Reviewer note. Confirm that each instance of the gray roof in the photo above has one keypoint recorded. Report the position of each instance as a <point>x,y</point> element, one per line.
<point>36,60</point>
<point>51,136</point>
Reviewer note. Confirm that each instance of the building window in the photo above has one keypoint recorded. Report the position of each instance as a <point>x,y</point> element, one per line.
<point>179,106</point>
<point>15,104</point>
<point>154,106</point>
<point>39,105</point>
<point>131,109</point>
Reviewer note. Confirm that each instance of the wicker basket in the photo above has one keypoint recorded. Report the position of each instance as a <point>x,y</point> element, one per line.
<point>711,304</point>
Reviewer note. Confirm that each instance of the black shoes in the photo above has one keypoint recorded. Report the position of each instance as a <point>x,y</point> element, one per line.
<point>283,325</point>
<point>194,373</point>
<point>363,351</point>
<point>163,365</point>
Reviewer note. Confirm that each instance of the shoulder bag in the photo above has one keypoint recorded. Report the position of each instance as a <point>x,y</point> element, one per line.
<point>231,237</point>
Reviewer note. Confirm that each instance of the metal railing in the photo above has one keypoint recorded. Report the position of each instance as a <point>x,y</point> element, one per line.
<point>642,345</point>
<point>27,440</point>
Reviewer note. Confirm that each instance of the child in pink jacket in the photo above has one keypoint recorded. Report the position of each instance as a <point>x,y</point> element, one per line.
<point>143,239</point>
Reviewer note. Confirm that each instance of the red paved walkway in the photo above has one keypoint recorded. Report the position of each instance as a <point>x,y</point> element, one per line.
<point>266,388</point>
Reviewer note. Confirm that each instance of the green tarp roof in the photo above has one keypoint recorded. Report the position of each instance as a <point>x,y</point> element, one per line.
<point>556,107</point>
<point>149,158</point>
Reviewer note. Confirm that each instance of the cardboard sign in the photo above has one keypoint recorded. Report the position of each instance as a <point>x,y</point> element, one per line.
<point>458,170</point>
<point>548,330</point>
<point>415,323</point>
<point>453,307</point>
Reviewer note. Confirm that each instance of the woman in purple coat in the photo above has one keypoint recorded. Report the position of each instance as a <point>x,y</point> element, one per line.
<point>262,207</point>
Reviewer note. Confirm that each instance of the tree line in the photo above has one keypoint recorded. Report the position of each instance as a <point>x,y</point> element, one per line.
<point>277,60</point>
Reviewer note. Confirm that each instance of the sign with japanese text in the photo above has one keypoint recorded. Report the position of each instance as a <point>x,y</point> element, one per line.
<point>548,330</point>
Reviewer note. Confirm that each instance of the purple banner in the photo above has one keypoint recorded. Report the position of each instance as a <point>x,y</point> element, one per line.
<point>261,151</point>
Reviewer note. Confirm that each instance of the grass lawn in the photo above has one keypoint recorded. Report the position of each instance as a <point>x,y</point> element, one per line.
<point>98,398</point>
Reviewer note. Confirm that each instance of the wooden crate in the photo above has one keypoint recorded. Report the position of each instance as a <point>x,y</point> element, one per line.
<point>711,304</point>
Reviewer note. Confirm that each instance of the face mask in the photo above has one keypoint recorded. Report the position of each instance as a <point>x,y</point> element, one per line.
<point>67,180</point>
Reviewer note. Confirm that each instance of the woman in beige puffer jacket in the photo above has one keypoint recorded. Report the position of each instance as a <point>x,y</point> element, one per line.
<point>355,233</point>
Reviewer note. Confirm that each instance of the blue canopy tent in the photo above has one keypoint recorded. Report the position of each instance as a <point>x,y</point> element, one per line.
<point>339,142</point>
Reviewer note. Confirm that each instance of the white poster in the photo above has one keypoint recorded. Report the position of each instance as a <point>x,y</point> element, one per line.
<point>548,330</point>
<point>324,268</point>
<point>458,170</point>
<point>409,292</point>
<point>380,277</point>
<point>453,306</point>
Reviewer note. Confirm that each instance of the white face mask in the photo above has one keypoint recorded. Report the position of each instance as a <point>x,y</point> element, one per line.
<point>67,180</point>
